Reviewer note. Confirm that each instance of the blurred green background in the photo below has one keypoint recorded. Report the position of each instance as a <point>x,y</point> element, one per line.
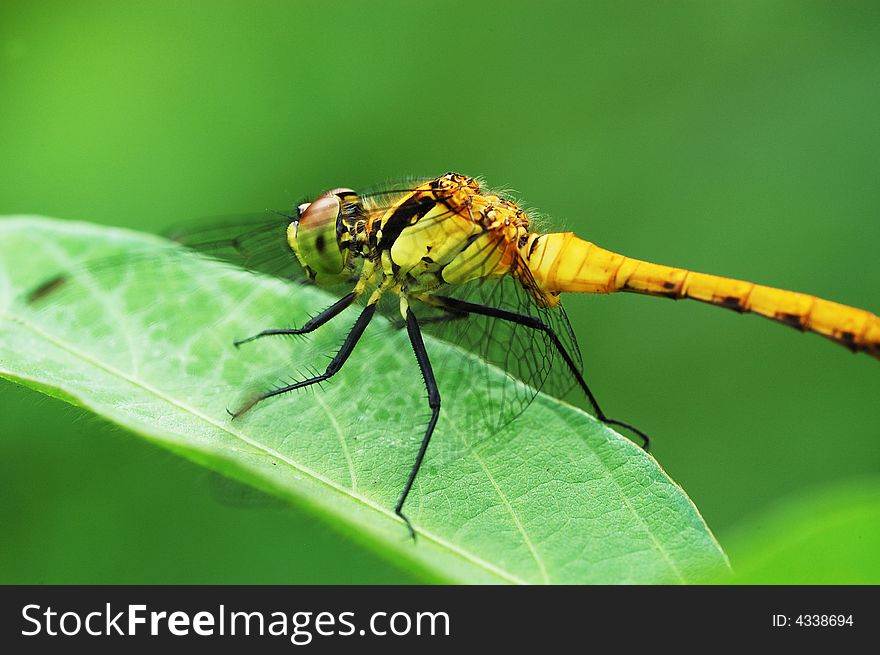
<point>736,138</point>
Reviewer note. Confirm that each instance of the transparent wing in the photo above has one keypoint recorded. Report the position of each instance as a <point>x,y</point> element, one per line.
<point>256,242</point>
<point>528,356</point>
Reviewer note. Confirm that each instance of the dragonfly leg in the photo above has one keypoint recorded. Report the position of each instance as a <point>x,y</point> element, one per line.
<point>311,325</point>
<point>418,346</point>
<point>336,363</point>
<point>535,324</point>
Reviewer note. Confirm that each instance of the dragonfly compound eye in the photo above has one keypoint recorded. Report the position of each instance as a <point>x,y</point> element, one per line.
<point>314,235</point>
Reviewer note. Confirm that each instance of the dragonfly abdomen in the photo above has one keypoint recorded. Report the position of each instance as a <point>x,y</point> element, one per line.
<point>853,328</point>
<point>563,262</point>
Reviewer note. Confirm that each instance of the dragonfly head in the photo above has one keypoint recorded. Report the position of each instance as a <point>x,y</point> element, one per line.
<point>315,234</point>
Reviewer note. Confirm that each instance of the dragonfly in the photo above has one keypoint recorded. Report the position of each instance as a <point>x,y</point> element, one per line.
<point>462,262</point>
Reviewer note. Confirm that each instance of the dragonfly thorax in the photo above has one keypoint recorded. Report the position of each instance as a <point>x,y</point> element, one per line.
<point>446,231</point>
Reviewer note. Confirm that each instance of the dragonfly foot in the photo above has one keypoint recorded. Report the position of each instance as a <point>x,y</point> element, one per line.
<point>646,440</point>
<point>238,343</point>
<point>244,409</point>
<point>412,532</point>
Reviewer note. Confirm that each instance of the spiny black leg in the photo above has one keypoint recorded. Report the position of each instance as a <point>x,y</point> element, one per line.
<point>535,324</point>
<point>335,364</point>
<point>418,345</point>
<point>311,325</point>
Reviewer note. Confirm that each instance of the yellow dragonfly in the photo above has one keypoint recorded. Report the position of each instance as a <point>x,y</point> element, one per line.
<point>463,262</point>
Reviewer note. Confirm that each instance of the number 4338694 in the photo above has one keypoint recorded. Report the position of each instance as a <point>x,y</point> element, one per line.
<point>813,620</point>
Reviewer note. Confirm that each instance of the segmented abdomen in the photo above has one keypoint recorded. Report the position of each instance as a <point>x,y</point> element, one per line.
<point>562,262</point>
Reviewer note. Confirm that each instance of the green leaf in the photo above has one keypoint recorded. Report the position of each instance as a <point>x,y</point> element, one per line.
<point>829,535</point>
<point>555,497</point>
